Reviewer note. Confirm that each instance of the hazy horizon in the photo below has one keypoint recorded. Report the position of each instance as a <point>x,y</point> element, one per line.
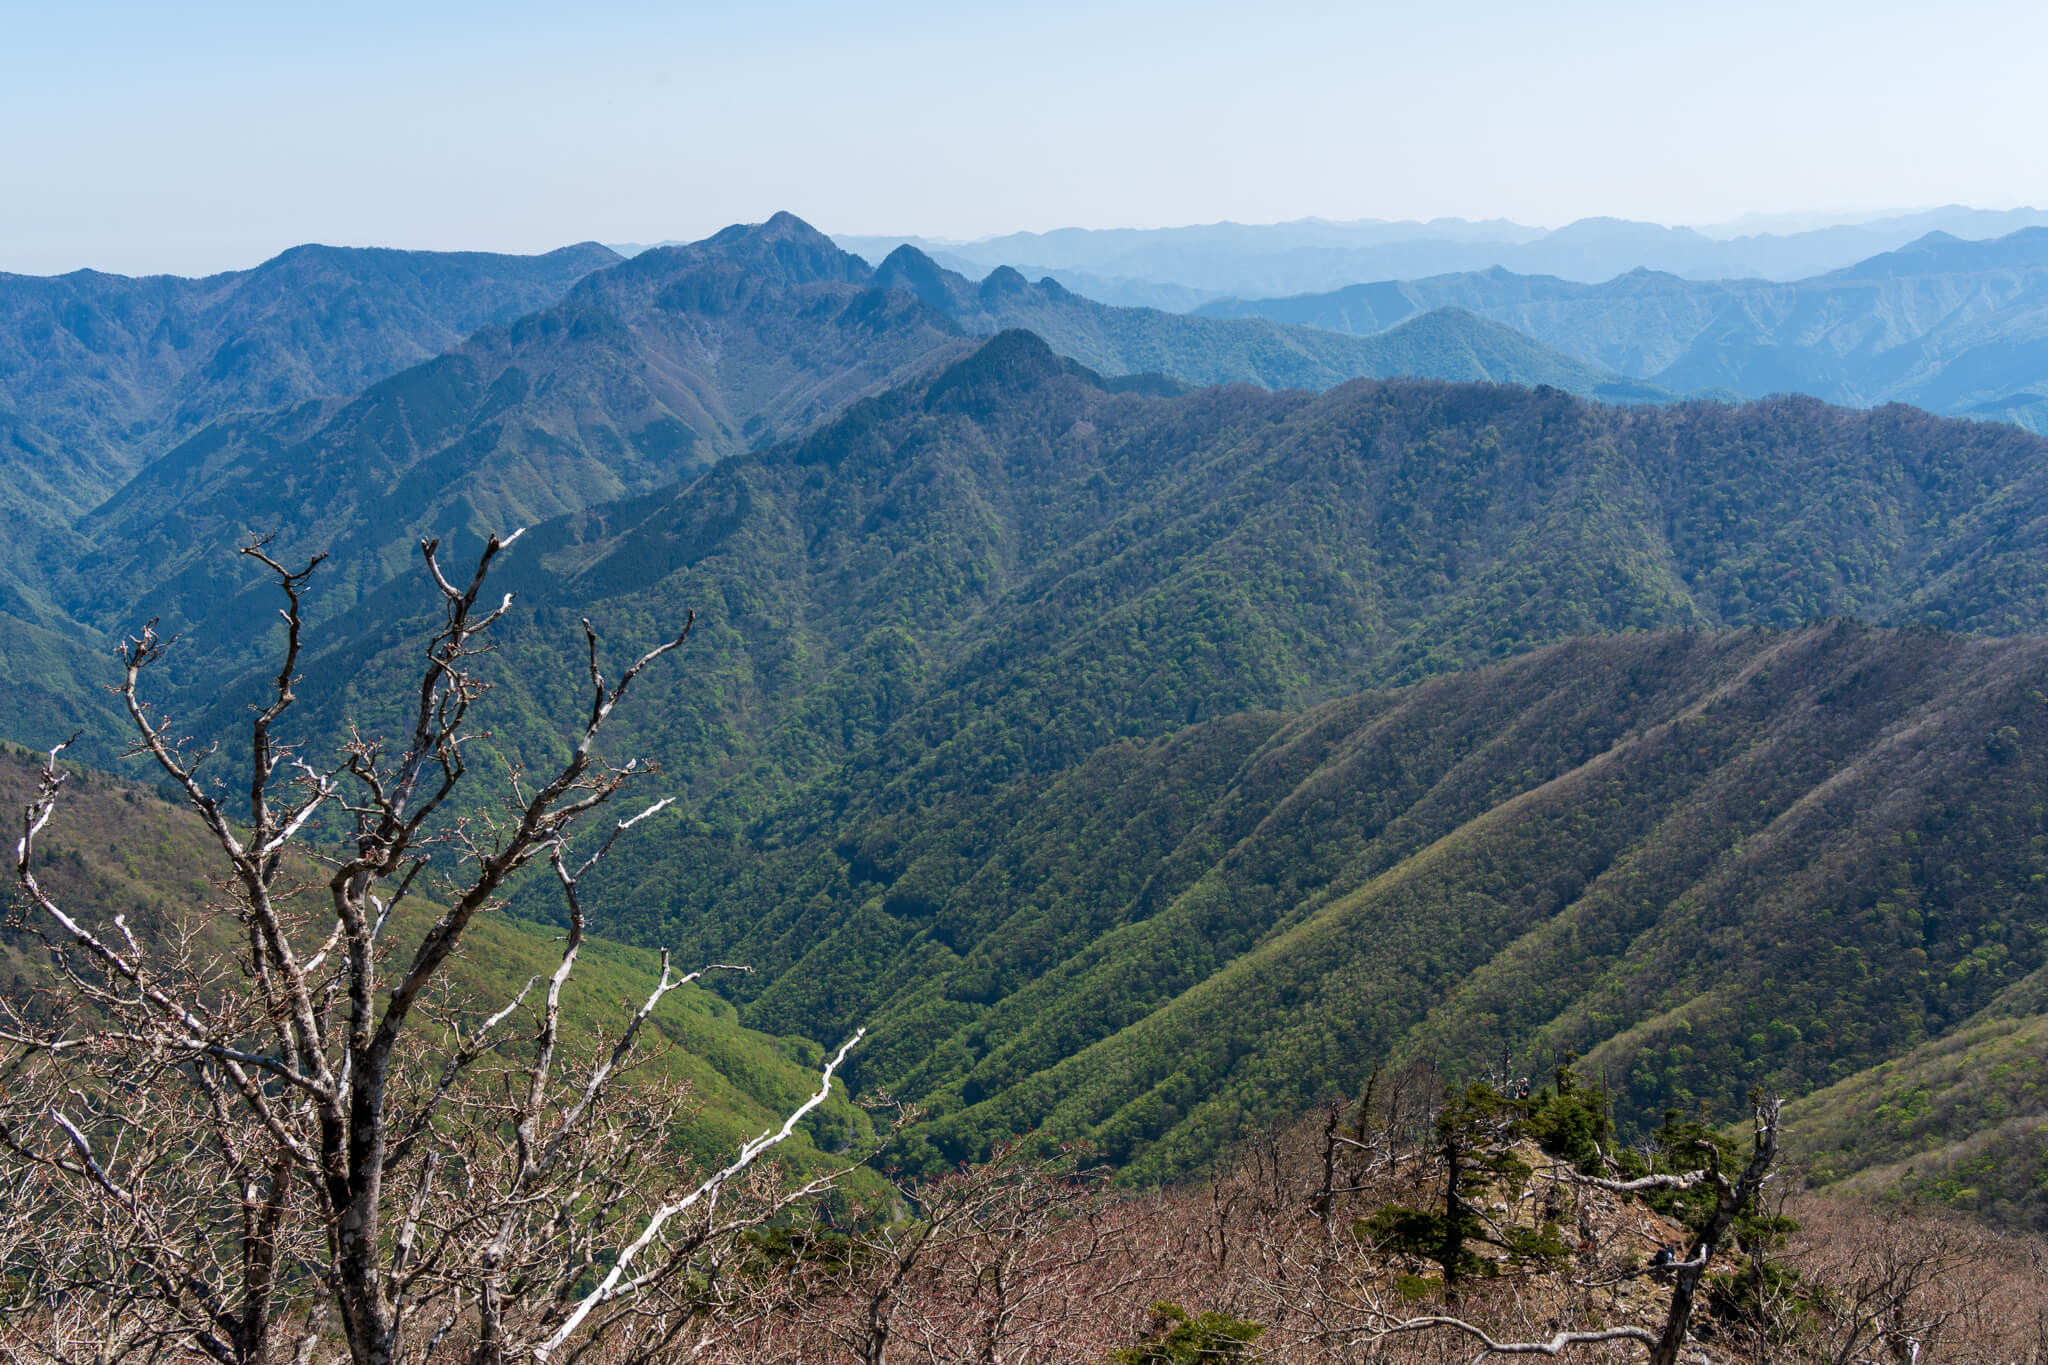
<point>1749,225</point>
<point>1778,224</point>
<point>211,138</point>
<point>1783,222</point>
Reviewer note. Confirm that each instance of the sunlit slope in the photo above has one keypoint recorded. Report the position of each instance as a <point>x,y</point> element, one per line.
<point>974,739</point>
<point>1961,1120</point>
<point>116,848</point>
<point>1704,862</point>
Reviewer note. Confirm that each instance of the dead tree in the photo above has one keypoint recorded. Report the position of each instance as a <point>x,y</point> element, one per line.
<point>998,1262</point>
<point>1902,1284</point>
<point>277,1121</point>
<point>1730,1199</point>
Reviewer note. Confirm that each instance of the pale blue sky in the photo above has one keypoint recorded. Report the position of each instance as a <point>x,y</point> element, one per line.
<point>208,136</point>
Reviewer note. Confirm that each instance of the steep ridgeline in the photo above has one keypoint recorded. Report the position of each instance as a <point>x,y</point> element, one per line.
<point>108,372</point>
<point>1447,343</point>
<point>1954,326</point>
<point>1045,558</point>
<point>985,666</point>
<point>1703,861</point>
<point>645,373</point>
<point>100,374</point>
<point>636,380</point>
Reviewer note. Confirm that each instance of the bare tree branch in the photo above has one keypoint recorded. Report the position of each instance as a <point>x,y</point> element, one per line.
<point>278,1103</point>
<point>708,1191</point>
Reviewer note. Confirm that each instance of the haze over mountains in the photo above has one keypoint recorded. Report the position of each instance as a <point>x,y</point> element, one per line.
<point>101,374</point>
<point>118,369</point>
<point>1950,325</point>
<point>1182,267</point>
<point>1940,309</point>
<point>1150,722</point>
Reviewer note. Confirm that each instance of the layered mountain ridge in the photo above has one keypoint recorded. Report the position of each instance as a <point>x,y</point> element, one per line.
<point>101,374</point>
<point>1182,267</point>
<point>641,375</point>
<point>115,369</point>
<point>1955,326</point>
<point>996,734</point>
<point>1146,761</point>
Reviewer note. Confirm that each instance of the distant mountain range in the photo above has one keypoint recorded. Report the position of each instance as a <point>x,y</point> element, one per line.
<point>1954,326</point>
<point>1954,323</point>
<point>1183,267</point>
<point>1448,343</point>
<point>114,370</point>
<point>637,377</point>
<point>101,374</point>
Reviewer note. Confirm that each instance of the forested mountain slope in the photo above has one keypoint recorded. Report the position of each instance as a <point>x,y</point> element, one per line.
<point>642,375</point>
<point>1448,343</point>
<point>992,734</point>
<point>635,380</point>
<point>112,371</point>
<point>1705,862</point>
<point>1013,533</point>
<point>650,370</point>
<point>1951,325</point>
<point>1961,1120</point>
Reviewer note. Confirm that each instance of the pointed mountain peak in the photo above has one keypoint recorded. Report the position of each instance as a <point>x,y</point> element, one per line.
<point>1021,357</point>
<point>596,252</point>
<point>906,262</point>
<point>909,269</point>
<point>785,226</point>
<point>782,227</point>
<point>785,249</point>
<point>1940,252</point>
<point>1004,281</point>
<point>1009,363</point>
